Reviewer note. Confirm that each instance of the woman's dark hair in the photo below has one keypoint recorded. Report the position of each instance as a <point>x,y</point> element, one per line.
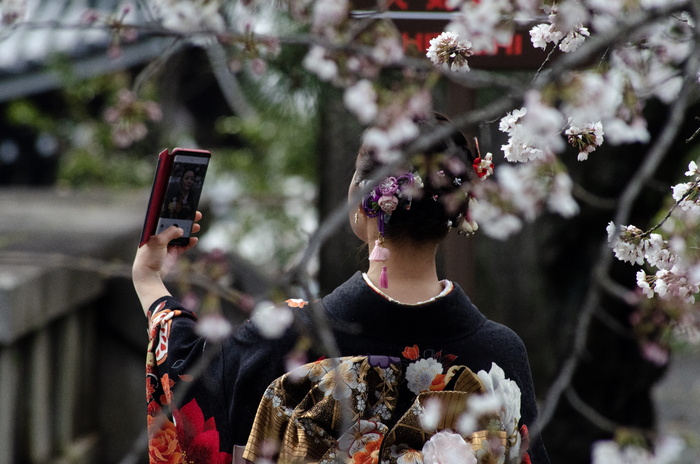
<point>443,168</point>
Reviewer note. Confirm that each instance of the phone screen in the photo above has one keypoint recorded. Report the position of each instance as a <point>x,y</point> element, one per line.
<point>182,193</point>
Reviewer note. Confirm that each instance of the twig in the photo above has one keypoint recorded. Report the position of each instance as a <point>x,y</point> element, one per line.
<point>695,134</point>
<point>593,416</point>
<point>227,81</point>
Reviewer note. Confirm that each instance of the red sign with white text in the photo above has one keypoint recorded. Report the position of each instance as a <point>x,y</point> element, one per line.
<point>422,20</point>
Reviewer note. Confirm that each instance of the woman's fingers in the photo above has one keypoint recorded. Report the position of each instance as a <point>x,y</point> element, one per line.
<point>171,233</point>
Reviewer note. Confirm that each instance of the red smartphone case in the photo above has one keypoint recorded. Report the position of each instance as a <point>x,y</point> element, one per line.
<point>160,184</point>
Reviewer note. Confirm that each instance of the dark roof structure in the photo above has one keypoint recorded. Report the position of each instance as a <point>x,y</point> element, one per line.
<point>58,28</point>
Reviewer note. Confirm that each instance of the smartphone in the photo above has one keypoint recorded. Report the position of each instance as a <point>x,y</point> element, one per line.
<point>177,187</point>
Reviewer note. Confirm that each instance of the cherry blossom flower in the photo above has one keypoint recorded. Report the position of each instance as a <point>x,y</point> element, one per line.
<point>565,29</point>
<point>327,14</point>
<point>213,327</point>
<point>574,39</point>
<point>448,51</point>
<point>13,11</point>
<point>619,131</point>
<point>655,353</point>
<point>485,23</point>
<point>542,34</point>
<point>560,198</point>
<point>593,96</point>
<point>316,62</point>
<point>535,132</point>
<point>657,252</point>
<point>494,221</point>
<point>128,116</point>
<point>585,139</point>
<point>677,284</point>
<point>193,16</point>
<point>626,243</point>
<point>387,50</point>
<point>569,16</point>
<point>431,415</point>
<point>447,447</point>
<point>478,406</point>
<point>271,320</point>
<point>668,449</point>
<point>686,194</point>
<point>361,100</point>
<point>385,141</point>
<point>510,120</point>
<point>421,373</point>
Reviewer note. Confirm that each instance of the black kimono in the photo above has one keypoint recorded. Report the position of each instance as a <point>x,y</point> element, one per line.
<point>203,419</point>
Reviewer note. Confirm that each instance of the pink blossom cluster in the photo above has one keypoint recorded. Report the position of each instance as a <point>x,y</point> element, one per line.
<point>12,11</point>
<point>448,51</point>
<point>190,16</point>
<point>667,450</point>
<point>671,277</point>
<point>686,194</point>
<point>128,118</point>
<point>675,283</point>
<point>521,193</point>
<point>491,24</point>
<point>565,28</point>
<point>586,138</point>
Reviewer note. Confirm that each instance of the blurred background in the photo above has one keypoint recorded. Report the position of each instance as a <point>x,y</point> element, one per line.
<point>83,115</point>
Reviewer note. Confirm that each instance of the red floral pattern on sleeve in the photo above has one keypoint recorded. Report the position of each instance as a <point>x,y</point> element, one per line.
<point>175,436</point>
<point>193,440</point>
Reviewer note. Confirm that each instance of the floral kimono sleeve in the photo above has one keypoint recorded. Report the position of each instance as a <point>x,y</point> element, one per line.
<point>178,431</point>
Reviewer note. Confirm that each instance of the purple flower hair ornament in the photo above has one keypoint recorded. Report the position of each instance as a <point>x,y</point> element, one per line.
<point>381,202</point>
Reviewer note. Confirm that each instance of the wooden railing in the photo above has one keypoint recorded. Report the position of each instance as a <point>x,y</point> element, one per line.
<point>72,337</point>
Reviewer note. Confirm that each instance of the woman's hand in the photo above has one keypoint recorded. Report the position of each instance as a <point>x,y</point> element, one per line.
<point>155,259</point>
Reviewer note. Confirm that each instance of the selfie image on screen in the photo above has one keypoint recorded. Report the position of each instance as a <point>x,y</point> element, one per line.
<point>182,194</point>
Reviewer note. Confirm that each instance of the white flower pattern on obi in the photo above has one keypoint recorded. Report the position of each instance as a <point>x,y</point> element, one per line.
<point>420,374</point>
<point>308,405</point>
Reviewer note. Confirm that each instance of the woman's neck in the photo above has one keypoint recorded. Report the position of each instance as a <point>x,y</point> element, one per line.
<point>411,272</point>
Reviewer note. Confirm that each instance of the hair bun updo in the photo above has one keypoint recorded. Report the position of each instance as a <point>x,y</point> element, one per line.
<point>434,192</point>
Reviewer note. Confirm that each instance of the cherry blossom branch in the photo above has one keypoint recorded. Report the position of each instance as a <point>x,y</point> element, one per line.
<point>595,45</point>
<point>600,272</point>
<point>156,65</point>
<point>593,416</point>
<point>671,210</point>
<point>227,81</point>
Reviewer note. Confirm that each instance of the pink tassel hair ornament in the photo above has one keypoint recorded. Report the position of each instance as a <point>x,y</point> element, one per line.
<point>383,278</point>
<point>380,203</point>
<point>381,254</point>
